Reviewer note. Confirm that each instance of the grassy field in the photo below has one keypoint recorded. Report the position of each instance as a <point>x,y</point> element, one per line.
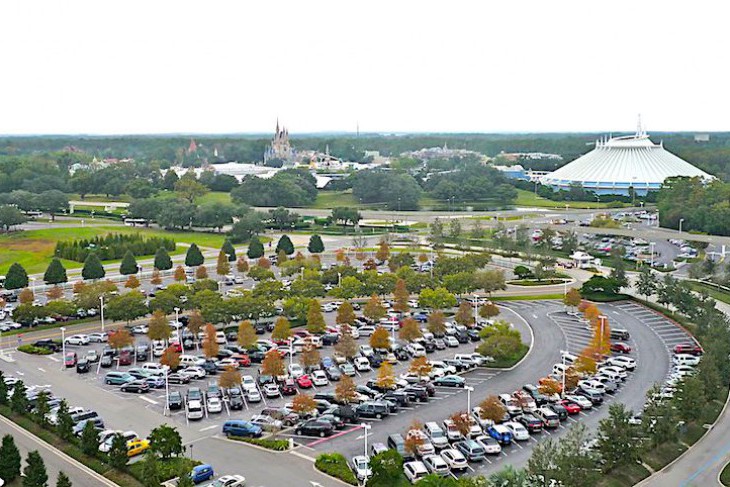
<point>713,292</point>
<point>528,198</point>
<point>333,199</point>
<point>34,249</point>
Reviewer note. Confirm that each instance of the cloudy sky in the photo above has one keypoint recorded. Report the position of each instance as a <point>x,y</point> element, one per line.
<point>121,67</point>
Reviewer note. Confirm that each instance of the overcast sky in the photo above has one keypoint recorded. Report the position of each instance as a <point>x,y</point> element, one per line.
<point>102,67</point>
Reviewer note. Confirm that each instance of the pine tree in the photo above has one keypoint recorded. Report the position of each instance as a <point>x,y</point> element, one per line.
<point>35,471</point>
<point>229,250</point>
<point>63,480</point>
<point>118,452</point>
<point>285,244</point>
<point>222,267</point>
<point>129,264</point>
<point>163,261</point>
<point>55,273</point>
<point>89,439</point>
<point>194,257</point>
<point>92,267</point>
<point>316,246</point>
<point>9,459</point>
<point>255,248</point>
<point>64,422</point>
<point>16,277</point>
<point>19,401</point>
<point>3,389</point>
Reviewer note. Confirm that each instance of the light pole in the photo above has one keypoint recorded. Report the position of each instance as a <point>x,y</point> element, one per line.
<point>365,428</point>
<point>562,390</point>
<point>63,346</point>
<point>167,391</point>
<point>468,390</point>
<point>476,308</point>
<point>101,309</point>
<point>602,319</point>
<point>177,325</point>
<point>681,220</point>
<point>291,351</point>
<point>339,278</point>
<point>651,246</point>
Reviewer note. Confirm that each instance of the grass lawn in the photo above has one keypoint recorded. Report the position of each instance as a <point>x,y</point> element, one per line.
<point>528,198</point>
<point>725,475</point>
<point>625,476</point>
<point>713,292</point>
<point>34,249</point>
<point>214,197</point>
<point>327,200</point>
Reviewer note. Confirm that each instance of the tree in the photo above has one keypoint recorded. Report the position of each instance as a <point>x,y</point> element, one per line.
<point>380,339</point>
<point>55,273</point>
<point>437,323</point>
<point>345,314</point>
<point>42,408</point>
<point>179,275</point>
<point>170,357</point>
<point>285,244</point>
<point>420,366</point>
<point>129,264</point>
<point>64,422</point>
<point>201,272</point>
<point>572,298</point>
<point>550,387</point>
<point>163,261</point>
<point>346,215</point>
<point>120,338</point>
<point>316,246</point>
<point>222,266</point>
<point>194,257</point>
<point>303,404</point>
<point>616,443</point>
<point>10,460</point>
<point>189,188</point>
<point>492,409</point>
<point>89,439</point>
<point>461,422</point>
<point>490,281</point>
<point>263,263</point>
<point>165,441</point>
<point>229,250</point>
<point>414,442</point>
<point>242,265</point>
<point>16,277</point>
<point>184,478</point>
<point>400,297</point>
<point>690,398</point>
<point>54,293</point>
<point>11,216</point>
<point>315,319</point>
<point>35,474</point>
<point>387,469</point>
<point>386,376</point>
<point>383,252</point>
<point>464,314</point>
<point>126,307</point>
<point>488,311</point>
<point>151,470</point>
<point>26,296</point>
<point>273,364</point>
<point>255,248</point>
<point>132,282</point>
<point>246,335</point>
<point>158,327</point>
<point>585,365</point>
<point>118,452</point>
<point>92,268</point>
<point>63,481</point>
<point>646,284</point>
<point>345,390</point>
<point>410,330</point>
<point>3,390</point>
<point>210,345</point>
<point>566,462</point>
<point>52,201</point>
<point>438,298</point>
<point>346,346</point>
<point>309,357</point>
<point>374,309</point>
<point>19,401</point>
<point>230,377</point>
<point>282,329</point>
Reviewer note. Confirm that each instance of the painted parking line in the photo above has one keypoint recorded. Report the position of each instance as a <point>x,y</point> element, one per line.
<point>151,401</point>
<point>336,435</point>
<point>208,428</point>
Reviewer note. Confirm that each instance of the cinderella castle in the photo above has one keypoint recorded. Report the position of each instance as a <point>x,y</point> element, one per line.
<point>280,148</point>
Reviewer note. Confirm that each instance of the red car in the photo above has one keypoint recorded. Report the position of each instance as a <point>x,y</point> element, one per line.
<point>304,381</point>
<point>288,388</point>
<point>125,357</point>
<point>243,360</point>
<point>620,347</point>
<point>689,348</point>
<point>302,333</point>
<point>281,342</point>
<point>570,406</point>
<point>70,359</point>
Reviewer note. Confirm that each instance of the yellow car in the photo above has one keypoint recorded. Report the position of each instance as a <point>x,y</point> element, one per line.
<point>135,447</point>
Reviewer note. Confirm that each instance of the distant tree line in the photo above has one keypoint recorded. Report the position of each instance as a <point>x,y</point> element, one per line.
<point>113,246</point>
<point>702,207</point>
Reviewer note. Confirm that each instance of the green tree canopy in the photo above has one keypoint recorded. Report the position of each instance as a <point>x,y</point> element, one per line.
<point>163,261</point>
<point>10,459</point>
<point>255,248</point>
<point>35,471</point>
<point>16,277</point>
<point>316,246</point>
<point>92,268</point>
<point>229,250</point>
<point>55,273</point>
<point>194,257</point>
<point>126,307</point>
<point>166,441</point>
<point>129,264</point>
<point>285,244</point>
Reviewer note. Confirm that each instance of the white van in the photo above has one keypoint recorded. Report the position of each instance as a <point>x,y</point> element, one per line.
<point>436,435</point>
<point>610,374</point>
<point>685,359</point>
<point>416,349</point>
<point>466,358</point>
<point>191,361</point>
<point>220,338</point>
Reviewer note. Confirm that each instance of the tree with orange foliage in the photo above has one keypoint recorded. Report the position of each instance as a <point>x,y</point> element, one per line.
<point>179,273</point>
<point>119,339</point>
<point>410,330</point>
<point>156,279</point>
<point>550,386</point>
<point>584,364</point>
<point>572,298</point>
<point>242,265</point>
<point>414,438</point>
<point>210,346</point>
<point>462,423</point>
<point>79,286</point>
<point>380,339</point>
<point>54,293</point>
<point>201,272</point>
<point>26,296</point>
<point>273,364</point>
<point>170,357</point>
<point>420,367</point>
<point>304,405</point>
<point>583,305</point>
<point>230,377</point>
<point>264,263</point>
<point>591,313</point>
<point>492,409</point>
<point>132,282</point>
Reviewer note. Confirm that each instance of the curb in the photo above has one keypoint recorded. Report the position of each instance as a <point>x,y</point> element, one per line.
<point>244,443</point>
<point>341,482</point>
<point>532,342</point>
<point>719,474</point>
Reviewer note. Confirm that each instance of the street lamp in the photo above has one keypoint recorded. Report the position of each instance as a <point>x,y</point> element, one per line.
<point>681,220</point>
<point>562,390</point>
<point>469,390</point>
<point>101,308</point>
<point>651,247</point>
<point>339,278</point>
<point>291,351</point>
<point>167,391</point>
<point>63,345</point>
<point>177,325</point>
<point>476,307</point>
<point>365,427</point>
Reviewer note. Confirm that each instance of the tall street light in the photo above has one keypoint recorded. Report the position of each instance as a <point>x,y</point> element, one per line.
<point>365,427</point>
<point>63,346</point>
<point>177,325</point>
<point>469,390</point>
<point>562,391</point>
<point>651,246</point>
<point>167,391</point>
<point>681,220</point>
<point>101,308</point>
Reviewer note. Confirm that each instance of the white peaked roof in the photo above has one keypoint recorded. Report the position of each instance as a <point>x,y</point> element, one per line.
<point>623,162</point>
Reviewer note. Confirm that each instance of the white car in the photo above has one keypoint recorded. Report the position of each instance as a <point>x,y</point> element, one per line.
<point>685,359</point>
<point>592,384</point>
<point>295,371</point>
<point>366,350</point>
<point>451,342</point>
<point>436,465</point>
<point>327,307</point>
<point>581,401</point>
<point>361,467</point>
<point>225,363</point>
<point>319,378</point>
<point>361,364</point>
<point>98,337</point>
<point>683,370</point>
<point>229,480</point>
<point>448,369</point>
<point>454,459</point>
<point>140,329</point>
<point>626,362</point>
<point>414,471</point>
<point>77,340</point>
<point>490,445</point>
<point>158,348</point>
<point>519,432</point>
<point>214,405</point>
<point>248,383</point>
<point>253,395</point>
<point>271,390</point>
<point>193,372</point>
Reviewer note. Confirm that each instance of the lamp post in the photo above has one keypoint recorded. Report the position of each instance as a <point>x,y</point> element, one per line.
<point>562,390</point>
<point>651,246</point>
<point>101,309</point>
<point>291,351</point>
<point>32,283</point>
<point>602,319</point>
<point>167,391</point>
<point>339,278</point>
<point>365,427</point>
<point>177,325</point>
<point>681,220</point>
<point>476,308</point>
<point>468,390</point>
<point>63,345</point>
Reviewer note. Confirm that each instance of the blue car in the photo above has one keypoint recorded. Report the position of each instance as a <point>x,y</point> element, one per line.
<point>500,433</point>
<point>201,473</point>
<point>246,429</point>
<point>421,317</point>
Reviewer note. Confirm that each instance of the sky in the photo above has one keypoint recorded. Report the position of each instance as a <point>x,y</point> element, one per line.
<point>135,67</point>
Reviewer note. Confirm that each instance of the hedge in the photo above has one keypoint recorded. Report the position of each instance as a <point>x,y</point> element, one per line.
<point>34,350</point>
<point>268,443</point>
<point>168,469</point>
<point>335,464</point>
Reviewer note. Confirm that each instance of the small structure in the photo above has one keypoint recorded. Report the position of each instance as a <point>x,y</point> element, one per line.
<point>582,260</point>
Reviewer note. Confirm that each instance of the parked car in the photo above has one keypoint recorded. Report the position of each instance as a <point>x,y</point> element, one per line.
<point>500,433</point>
<point>450,381</point>
<point>136,386</point>
<point>202,473</point>
<point>175,400</point>
<point>314,427</point>
<point>237,427</point>
<point>436,465</point>
<point>472,450</point>
<point>360,465</point>
<point>454,459</point>
<point>414,471</point>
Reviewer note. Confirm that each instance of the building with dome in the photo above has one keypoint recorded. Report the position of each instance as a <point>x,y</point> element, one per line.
<point>617,164</point>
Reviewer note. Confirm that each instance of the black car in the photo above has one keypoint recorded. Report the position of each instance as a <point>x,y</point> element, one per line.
<point>430,389</point>
<point>176,378</point>
<point>462,337</point>
<point>326,396</point>
<point>224,353</point>
<point>346,412</point>
<point>334,420</point>
<point>48,344</point>
<point>232,336</point>
<point>429,346</point>
<point>457,364</point>
<point>314,427</point>
<point>372,410</point>
<point>175,400</point>
<point>137,386</point>
<point>473,335</point>
<point>322,405</point>
<point>256,356</point>
<point>143,352</point>
<point>330,338</point>
<point>194,394</point>
<point>416,393</point>
<point>530,422</point>
<point>235,399</point>
<point>260,328</point>
<point>401,354</point>
<point>375,360</point>
<point>210,368</point>
<point>83,366</point>
<point>559,410</point>
<point>401,398</point>
<point>265,379</point>
<point>534,391</point>
<point>365,390</point>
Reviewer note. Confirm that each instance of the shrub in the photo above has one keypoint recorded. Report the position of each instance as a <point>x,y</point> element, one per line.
<point>112,246</point>
<point>268,443</point>
<point>34,350</point>
<point>335,464</point>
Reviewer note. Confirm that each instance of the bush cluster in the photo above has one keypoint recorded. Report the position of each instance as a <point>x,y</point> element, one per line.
<point>335,464</point>
<point>268,443</point>
<point>34,350</point>
<point>113,246</point>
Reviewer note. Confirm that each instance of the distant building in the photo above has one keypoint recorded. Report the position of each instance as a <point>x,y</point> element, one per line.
<point>702,137</point>
<point>279,148</point>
